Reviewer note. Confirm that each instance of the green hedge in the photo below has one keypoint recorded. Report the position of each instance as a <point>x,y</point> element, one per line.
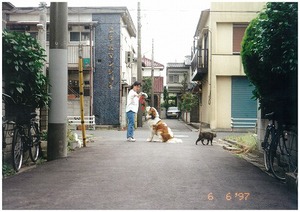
<point>270,59</point>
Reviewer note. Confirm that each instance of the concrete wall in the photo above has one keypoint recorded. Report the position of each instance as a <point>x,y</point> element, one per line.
<point>74,107</point>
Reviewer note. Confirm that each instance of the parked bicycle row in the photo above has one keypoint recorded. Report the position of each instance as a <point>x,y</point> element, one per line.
<point>25,137</point>
<point>280,147</point>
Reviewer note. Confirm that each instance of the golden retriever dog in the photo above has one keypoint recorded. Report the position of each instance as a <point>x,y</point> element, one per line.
<point>159,128</point>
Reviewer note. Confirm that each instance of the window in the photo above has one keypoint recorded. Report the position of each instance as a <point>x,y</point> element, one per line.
<point>238,34</point>
<point>79,36</point>
<point>34,34</point>
<point>174,78</point>
<point>74,36</point>
<point>85,36</point>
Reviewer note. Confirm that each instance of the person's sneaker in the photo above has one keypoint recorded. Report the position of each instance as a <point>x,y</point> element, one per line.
<point>131,139</point>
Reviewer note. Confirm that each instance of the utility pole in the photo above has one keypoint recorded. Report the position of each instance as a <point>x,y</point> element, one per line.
<point>58,76</point>
<point>42,27</point>
<point>139,64</point>
<point>42,33</point>
<point>152,75</point>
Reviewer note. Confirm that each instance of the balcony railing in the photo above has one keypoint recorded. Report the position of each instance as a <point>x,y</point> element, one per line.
<point>200,61</point>
<point>73,52</point>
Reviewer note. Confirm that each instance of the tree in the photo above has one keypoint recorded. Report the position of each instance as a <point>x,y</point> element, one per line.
<point>147,86</point>
<point>184,84</point>
<point>23,59</point>
<point>270,59</point>
<point>166,98</point>
<point>189,101</point>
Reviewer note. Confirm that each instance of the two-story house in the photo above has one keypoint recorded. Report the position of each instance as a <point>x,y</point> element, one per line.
<point>177,73</point>
<point>225,100</point>
<point>107,36</point>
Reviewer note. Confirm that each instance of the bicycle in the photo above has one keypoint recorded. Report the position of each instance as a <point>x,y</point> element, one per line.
<point>280,149</point>
<point>26,137</point>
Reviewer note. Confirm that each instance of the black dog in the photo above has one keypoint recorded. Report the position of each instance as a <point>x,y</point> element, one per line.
<point>209,136</point>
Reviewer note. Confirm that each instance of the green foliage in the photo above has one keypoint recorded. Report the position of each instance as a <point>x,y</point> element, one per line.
<point>249,140</point>
<point>189,101</point>
<point>270,59</point>
<point>166,98</point>
<point>23,59</point>
<point>7,170</point>
<point>184,84</point>
<point>165,94</point>
<point>147,86</point>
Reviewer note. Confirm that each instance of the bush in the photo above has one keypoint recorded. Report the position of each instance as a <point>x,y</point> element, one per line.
<point>23,59</point>
<point>270,59</point>
<point>189,101</point>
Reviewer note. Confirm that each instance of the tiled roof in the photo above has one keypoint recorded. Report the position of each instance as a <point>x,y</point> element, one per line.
<point>147,63</point>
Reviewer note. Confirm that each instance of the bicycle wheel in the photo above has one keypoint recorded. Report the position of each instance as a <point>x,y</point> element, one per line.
<point>34,145</point>
<point>266,147</point>
<point>291,146</point>
<point>279,157</point>
<point>17,149</point>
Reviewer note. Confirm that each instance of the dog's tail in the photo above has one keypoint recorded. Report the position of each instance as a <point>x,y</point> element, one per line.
<point>174,141</point>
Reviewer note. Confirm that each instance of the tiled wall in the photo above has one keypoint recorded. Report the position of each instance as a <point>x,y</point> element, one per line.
<point>107,69</point>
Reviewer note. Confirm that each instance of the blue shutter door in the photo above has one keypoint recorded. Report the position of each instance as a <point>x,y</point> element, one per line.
<point>242,106</point>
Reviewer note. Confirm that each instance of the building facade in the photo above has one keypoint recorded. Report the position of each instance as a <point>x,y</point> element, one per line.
<point>158,79</point>
<point>225,100</point>
<point>177,74</point>
<point>107,37</point>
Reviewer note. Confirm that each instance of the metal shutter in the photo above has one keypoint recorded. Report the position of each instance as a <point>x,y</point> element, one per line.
<point>243,108</point>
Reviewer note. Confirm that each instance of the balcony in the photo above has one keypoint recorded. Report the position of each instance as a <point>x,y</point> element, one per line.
<point>199,64</point>
<point>73,53</point>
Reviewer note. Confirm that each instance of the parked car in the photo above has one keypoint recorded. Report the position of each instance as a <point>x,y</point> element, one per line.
<point>173,112</point>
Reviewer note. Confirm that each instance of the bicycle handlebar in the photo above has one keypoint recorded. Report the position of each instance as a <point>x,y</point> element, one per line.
<point>8,96</point>
<point>270,116</point>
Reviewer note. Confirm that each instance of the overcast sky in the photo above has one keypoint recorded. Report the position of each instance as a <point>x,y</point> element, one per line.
<point>171,23</point>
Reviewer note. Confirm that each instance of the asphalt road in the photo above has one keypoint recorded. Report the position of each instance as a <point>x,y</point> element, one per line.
<point>111,173</point>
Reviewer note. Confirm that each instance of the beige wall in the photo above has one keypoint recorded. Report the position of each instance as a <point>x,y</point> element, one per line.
<point>230,65</point>
<point>236,6</point>
<point>223,63</point>
<point>224,38</point>
<point>204,107</point>
<point>223,102</point>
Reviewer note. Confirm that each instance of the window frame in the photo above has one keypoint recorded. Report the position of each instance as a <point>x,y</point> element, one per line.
<point>80,36</point>
<point>237,36</point>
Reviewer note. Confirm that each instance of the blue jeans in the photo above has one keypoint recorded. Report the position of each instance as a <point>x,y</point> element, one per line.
<point>130,127</point>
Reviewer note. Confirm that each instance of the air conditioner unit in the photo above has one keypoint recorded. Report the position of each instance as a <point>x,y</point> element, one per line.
<point>129,57</point>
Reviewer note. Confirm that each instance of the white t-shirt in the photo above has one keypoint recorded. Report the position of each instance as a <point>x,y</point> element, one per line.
<point>132,101</point>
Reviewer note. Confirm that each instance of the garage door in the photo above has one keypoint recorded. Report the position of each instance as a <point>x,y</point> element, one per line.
<point>243,107</point>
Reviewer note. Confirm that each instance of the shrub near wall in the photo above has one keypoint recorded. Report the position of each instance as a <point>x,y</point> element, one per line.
<point>270,59</point>
<point>23,59</point>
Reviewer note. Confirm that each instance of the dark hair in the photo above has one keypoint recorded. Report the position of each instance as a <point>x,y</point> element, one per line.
<point>136,83</point>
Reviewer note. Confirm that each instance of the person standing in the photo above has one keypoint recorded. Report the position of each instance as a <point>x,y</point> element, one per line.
<point>132,108</point>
